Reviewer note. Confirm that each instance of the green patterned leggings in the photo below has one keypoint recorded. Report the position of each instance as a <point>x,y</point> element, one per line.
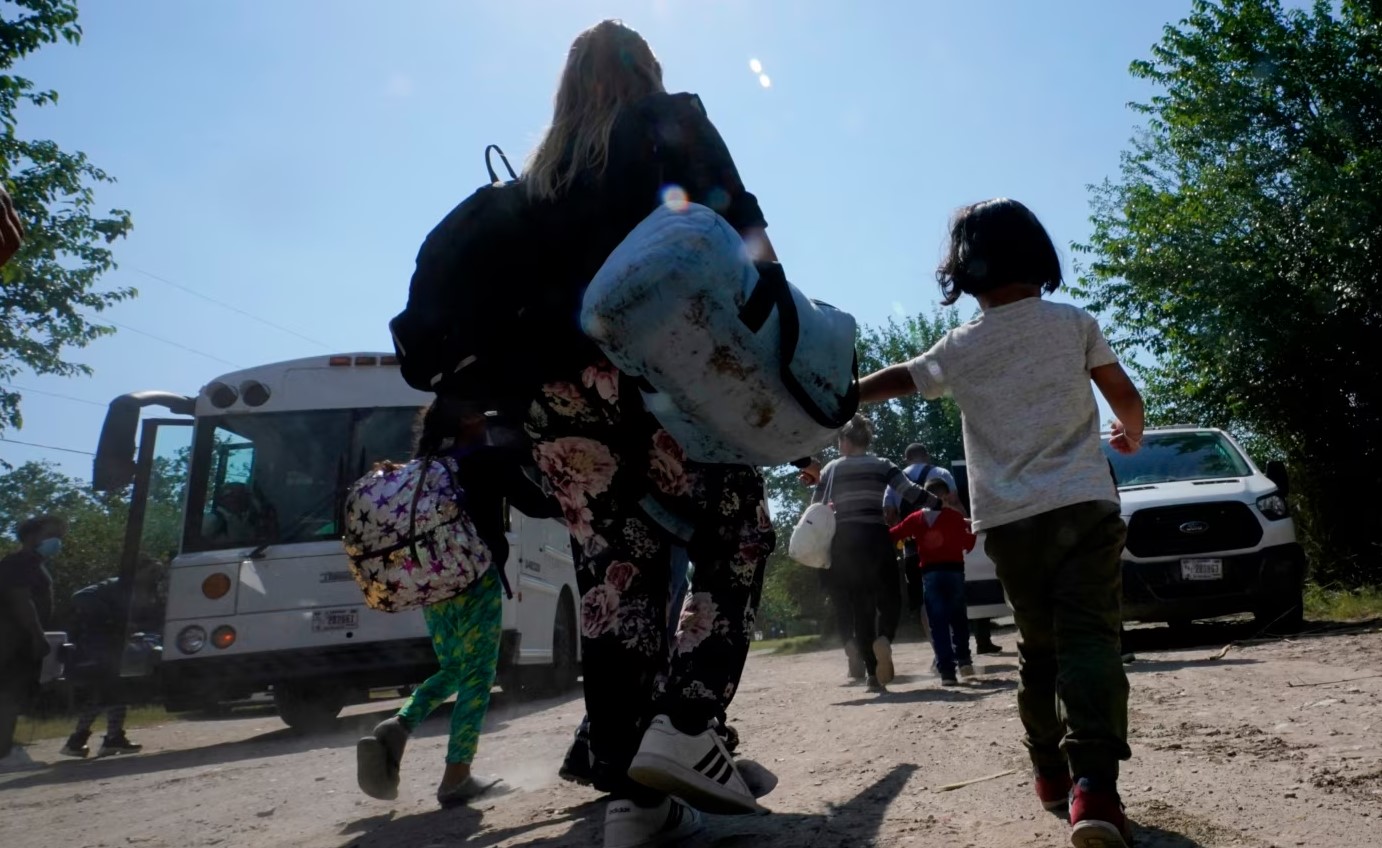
<point>465,635</point>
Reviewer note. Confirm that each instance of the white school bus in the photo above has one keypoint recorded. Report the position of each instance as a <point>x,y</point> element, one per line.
<point>259,594</point>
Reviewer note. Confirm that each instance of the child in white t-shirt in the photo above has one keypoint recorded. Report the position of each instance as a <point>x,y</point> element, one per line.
<point>1040,491</point>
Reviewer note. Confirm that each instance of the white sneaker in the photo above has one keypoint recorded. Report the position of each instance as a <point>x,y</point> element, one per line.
<point>696,769</point>
<point>628,825</point>
<point>967,672</point>
<point>883,653</point>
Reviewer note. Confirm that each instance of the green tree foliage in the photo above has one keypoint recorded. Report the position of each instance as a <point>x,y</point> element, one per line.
<point>96,521</point>
<point>49,288</point>
<point>1241,247</point>
<point>796,590</point>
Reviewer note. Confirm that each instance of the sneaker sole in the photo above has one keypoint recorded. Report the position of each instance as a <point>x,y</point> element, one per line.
<point>459,798</point>
<point>372,770</point>
<point>1097,834</point>
<point>100,755</point>
<point>883,654</point>
<point>573,777</point>
<point>700,792</point>
<point>691,824</point>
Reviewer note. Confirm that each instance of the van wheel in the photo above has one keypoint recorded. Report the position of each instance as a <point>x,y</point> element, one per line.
<point>308,709</point>
<point>1282,613</point>
<point>565,668</point>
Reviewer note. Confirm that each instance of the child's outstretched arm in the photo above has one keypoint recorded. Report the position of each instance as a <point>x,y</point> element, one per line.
<point>910,528</point>
<point>892,382</point>
<point>1125,401</point>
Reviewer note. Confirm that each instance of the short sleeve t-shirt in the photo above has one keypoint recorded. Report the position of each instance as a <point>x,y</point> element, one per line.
<point>1020,374</point>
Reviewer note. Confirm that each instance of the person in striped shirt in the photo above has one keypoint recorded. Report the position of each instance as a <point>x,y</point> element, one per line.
<point>863,561</point>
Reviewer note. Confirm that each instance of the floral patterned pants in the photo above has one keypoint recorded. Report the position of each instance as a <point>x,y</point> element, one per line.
<point>603,462</point>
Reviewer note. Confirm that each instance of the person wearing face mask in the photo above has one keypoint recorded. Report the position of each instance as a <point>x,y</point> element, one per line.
<point>26,604</point>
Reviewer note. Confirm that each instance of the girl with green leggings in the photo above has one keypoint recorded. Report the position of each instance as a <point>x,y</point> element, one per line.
<point>464,629</point>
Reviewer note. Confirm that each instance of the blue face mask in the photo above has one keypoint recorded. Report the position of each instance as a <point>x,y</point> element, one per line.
<point>48,548</point>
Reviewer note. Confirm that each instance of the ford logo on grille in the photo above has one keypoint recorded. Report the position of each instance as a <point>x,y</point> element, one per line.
<point>1194,527</point>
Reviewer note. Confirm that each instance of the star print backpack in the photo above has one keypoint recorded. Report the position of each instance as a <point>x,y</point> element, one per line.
<point>410,541</point>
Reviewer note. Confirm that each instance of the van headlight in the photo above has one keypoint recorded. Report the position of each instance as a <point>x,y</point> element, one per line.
<point>1273,506</point>
<point>191,639</point>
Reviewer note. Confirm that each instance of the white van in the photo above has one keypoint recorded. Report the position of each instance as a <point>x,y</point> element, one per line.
<point>1209,533</point>
<point>260,596</point>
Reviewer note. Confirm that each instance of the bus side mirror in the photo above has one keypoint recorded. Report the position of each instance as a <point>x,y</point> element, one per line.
<point>1276,472</point>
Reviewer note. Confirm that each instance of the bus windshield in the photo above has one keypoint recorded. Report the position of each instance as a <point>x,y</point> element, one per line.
<point>279,478</point>
<point>1173,457</point>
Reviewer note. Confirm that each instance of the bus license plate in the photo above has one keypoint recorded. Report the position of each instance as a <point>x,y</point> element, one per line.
<point>1202,569</point>
<point>346,619</point>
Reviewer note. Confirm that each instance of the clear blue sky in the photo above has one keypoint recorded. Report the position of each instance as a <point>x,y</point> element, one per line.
<point>289,157</point>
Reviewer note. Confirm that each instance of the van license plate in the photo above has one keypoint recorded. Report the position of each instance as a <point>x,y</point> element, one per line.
<point>323,620</point>
<point>1202,569</point>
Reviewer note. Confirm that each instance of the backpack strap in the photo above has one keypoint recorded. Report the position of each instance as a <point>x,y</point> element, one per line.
<point>772,291</point>
<point>489,165</point>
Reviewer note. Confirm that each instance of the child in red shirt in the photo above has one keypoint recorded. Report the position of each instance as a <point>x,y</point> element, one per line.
<point>943,538</point>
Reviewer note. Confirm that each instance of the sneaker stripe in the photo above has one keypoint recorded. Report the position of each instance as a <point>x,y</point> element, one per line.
<point>705,762</point>
<point>721,772</point>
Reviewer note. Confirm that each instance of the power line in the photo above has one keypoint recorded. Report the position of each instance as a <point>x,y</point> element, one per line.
<point>46,447</point>
<point>172,343</point>
<point>237,310</point>
<point>52,394</point>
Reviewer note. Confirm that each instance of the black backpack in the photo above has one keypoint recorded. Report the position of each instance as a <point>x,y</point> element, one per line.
<point>479,318</point>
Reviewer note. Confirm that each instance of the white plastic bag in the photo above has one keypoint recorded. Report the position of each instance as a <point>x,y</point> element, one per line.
<point>813,535</point>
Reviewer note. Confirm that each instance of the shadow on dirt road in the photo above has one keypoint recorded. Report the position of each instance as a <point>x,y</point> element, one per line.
<point>856,822</point>
<point>277,743</point>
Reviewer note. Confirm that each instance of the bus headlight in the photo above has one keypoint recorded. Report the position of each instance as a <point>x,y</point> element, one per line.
<point>223,637</point>
<point>192,639</point>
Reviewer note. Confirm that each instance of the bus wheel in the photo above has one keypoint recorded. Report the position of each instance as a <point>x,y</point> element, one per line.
<point>308,708</point>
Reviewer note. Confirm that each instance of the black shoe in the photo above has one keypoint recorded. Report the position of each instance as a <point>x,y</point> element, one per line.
<point>949,680</point>
<point>114,745</point>
<point>871,684</point>
<point>988,649</point>
<point>577,766</point>
<point>76,746</point>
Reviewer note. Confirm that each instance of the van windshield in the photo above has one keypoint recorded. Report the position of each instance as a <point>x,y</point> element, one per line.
<point>1173,457</point>
<point>279,478</point>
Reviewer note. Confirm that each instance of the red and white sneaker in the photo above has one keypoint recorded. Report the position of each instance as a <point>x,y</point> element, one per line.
<point>1098,818</point>
<point>1053,789</point>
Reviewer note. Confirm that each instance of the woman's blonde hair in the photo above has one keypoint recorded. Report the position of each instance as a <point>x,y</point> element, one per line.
<point>609,66</point>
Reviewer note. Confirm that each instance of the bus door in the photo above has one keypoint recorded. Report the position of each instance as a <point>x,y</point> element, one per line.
<point>153,534</point>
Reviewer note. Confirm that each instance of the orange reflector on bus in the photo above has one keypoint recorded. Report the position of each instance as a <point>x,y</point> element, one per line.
<point>366,360</point>
<point>338,360</point>
<point>223,637</point>
<point>388,360</point>
<point>216,586</point>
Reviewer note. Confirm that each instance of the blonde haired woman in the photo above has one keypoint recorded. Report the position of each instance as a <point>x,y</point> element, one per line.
<point>619,146</point>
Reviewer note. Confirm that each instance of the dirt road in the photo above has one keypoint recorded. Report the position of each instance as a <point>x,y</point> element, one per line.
<point>1226,753</point>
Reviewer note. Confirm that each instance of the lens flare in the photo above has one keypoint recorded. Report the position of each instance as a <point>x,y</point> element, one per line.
<point>755,66</point>
<point>765,81</point>
<point>674,197</point>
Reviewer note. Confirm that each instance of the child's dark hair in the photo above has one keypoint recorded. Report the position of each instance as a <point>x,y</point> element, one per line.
<point>31,529</point>
<point>438,426</point>
<point>993,244</point>
<point>937,487</point>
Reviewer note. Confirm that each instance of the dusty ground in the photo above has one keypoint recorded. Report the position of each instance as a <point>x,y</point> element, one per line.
<point>1226,753</point>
